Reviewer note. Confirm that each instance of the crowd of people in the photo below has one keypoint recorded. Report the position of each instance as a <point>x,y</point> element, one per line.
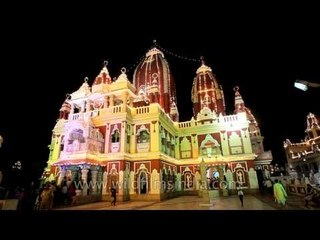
<point>53,195</point>
<point>44,197</point>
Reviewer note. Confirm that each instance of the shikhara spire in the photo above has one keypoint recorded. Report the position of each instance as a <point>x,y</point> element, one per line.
<point>103,77</point>
<point>238,101</point>
<point>240,107</point>
<point>153,74</point>
<point>206,92</point>
<point>313,126</point>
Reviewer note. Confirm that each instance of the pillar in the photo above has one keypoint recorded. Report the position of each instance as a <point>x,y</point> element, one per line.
<point>62,174</point>
<point>124,99</point>
<point>56,148</point>
<point>105,105</point>
<point>132,139</point>
<point>123,137</point>
<point>132,184</point>
<point>176,147</point>
<point>155,142</point>
<point>155,183</point>
<point>82,106</point>
<point>88,106</point>
<point>100,181</point>
<point>111,101</point>
<point>224,141</point>
<point>94,176</point>
<point>194,144</point>
<point>131,101</point>
<point>203,175</point>
<point>84,178</point>
<point>247,147</point>
<point>203,191</point>
<point>104,182</point>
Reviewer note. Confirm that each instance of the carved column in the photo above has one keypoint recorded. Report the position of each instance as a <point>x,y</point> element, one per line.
<point>111,101</point>
<point>203,191</point>
<point>105,102</point>
<point>100,181</point>
<point>124,99</point>
<point>88,106</point>
<point>62,174</point>
<point>131,101</point>
<point>132,139</point>
<point>84,178</point>
<point>132,184</point>
<point>94,176</point>
<point>123,137</point>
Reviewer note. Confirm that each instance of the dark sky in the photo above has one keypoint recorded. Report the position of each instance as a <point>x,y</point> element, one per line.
<point>47,55</point>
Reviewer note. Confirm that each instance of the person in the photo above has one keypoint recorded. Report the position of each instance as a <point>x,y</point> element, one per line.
<point>46,197</point>
<point>240,194</point>
<point>279,192</point>
<point>268,184</point>
<point>113,195</point>
<point>309,194</point>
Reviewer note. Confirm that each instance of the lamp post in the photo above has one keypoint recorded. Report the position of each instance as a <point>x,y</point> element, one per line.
<point>304,85</point>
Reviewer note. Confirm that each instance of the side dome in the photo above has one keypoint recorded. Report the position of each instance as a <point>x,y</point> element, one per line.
<point>153,75</point>
<point>206,92</point>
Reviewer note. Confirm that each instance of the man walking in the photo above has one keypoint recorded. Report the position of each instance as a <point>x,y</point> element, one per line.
<point>240,194</point>
<point>113,195</point>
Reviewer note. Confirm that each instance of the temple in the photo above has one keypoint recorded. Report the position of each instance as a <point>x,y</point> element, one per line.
<point>128,133</point>
<point>304,157</point>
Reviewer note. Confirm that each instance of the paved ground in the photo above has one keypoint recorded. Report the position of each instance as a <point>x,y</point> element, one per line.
<point>221,203</point>
<point>293,202</point>
<point>182,203</point>
<point>251,202</point>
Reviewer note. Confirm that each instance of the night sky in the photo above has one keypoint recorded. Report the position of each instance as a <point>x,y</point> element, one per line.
<point>46,56</point>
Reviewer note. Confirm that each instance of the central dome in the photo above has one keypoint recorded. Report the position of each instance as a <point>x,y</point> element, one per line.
<point>153,74</point>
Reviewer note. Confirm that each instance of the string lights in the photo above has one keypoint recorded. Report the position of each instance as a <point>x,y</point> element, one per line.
<point>175,54</point>
<point>167,51</point>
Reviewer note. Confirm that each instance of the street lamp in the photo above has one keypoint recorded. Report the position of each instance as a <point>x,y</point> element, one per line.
<point>303,85</point>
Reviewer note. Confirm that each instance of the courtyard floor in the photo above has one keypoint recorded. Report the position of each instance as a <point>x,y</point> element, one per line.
<point>251,202</point>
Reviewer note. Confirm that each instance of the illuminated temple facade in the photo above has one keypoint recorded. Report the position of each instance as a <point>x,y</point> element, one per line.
<point>128,133</point>
<point>304,157</point>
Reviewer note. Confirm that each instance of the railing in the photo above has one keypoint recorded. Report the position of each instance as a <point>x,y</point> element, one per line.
<point>184,124</point>
<point>76,116</point>
<point>231,118</point>
<point>117,109</point>
<point>95,113</point>
<point>142,110</point>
